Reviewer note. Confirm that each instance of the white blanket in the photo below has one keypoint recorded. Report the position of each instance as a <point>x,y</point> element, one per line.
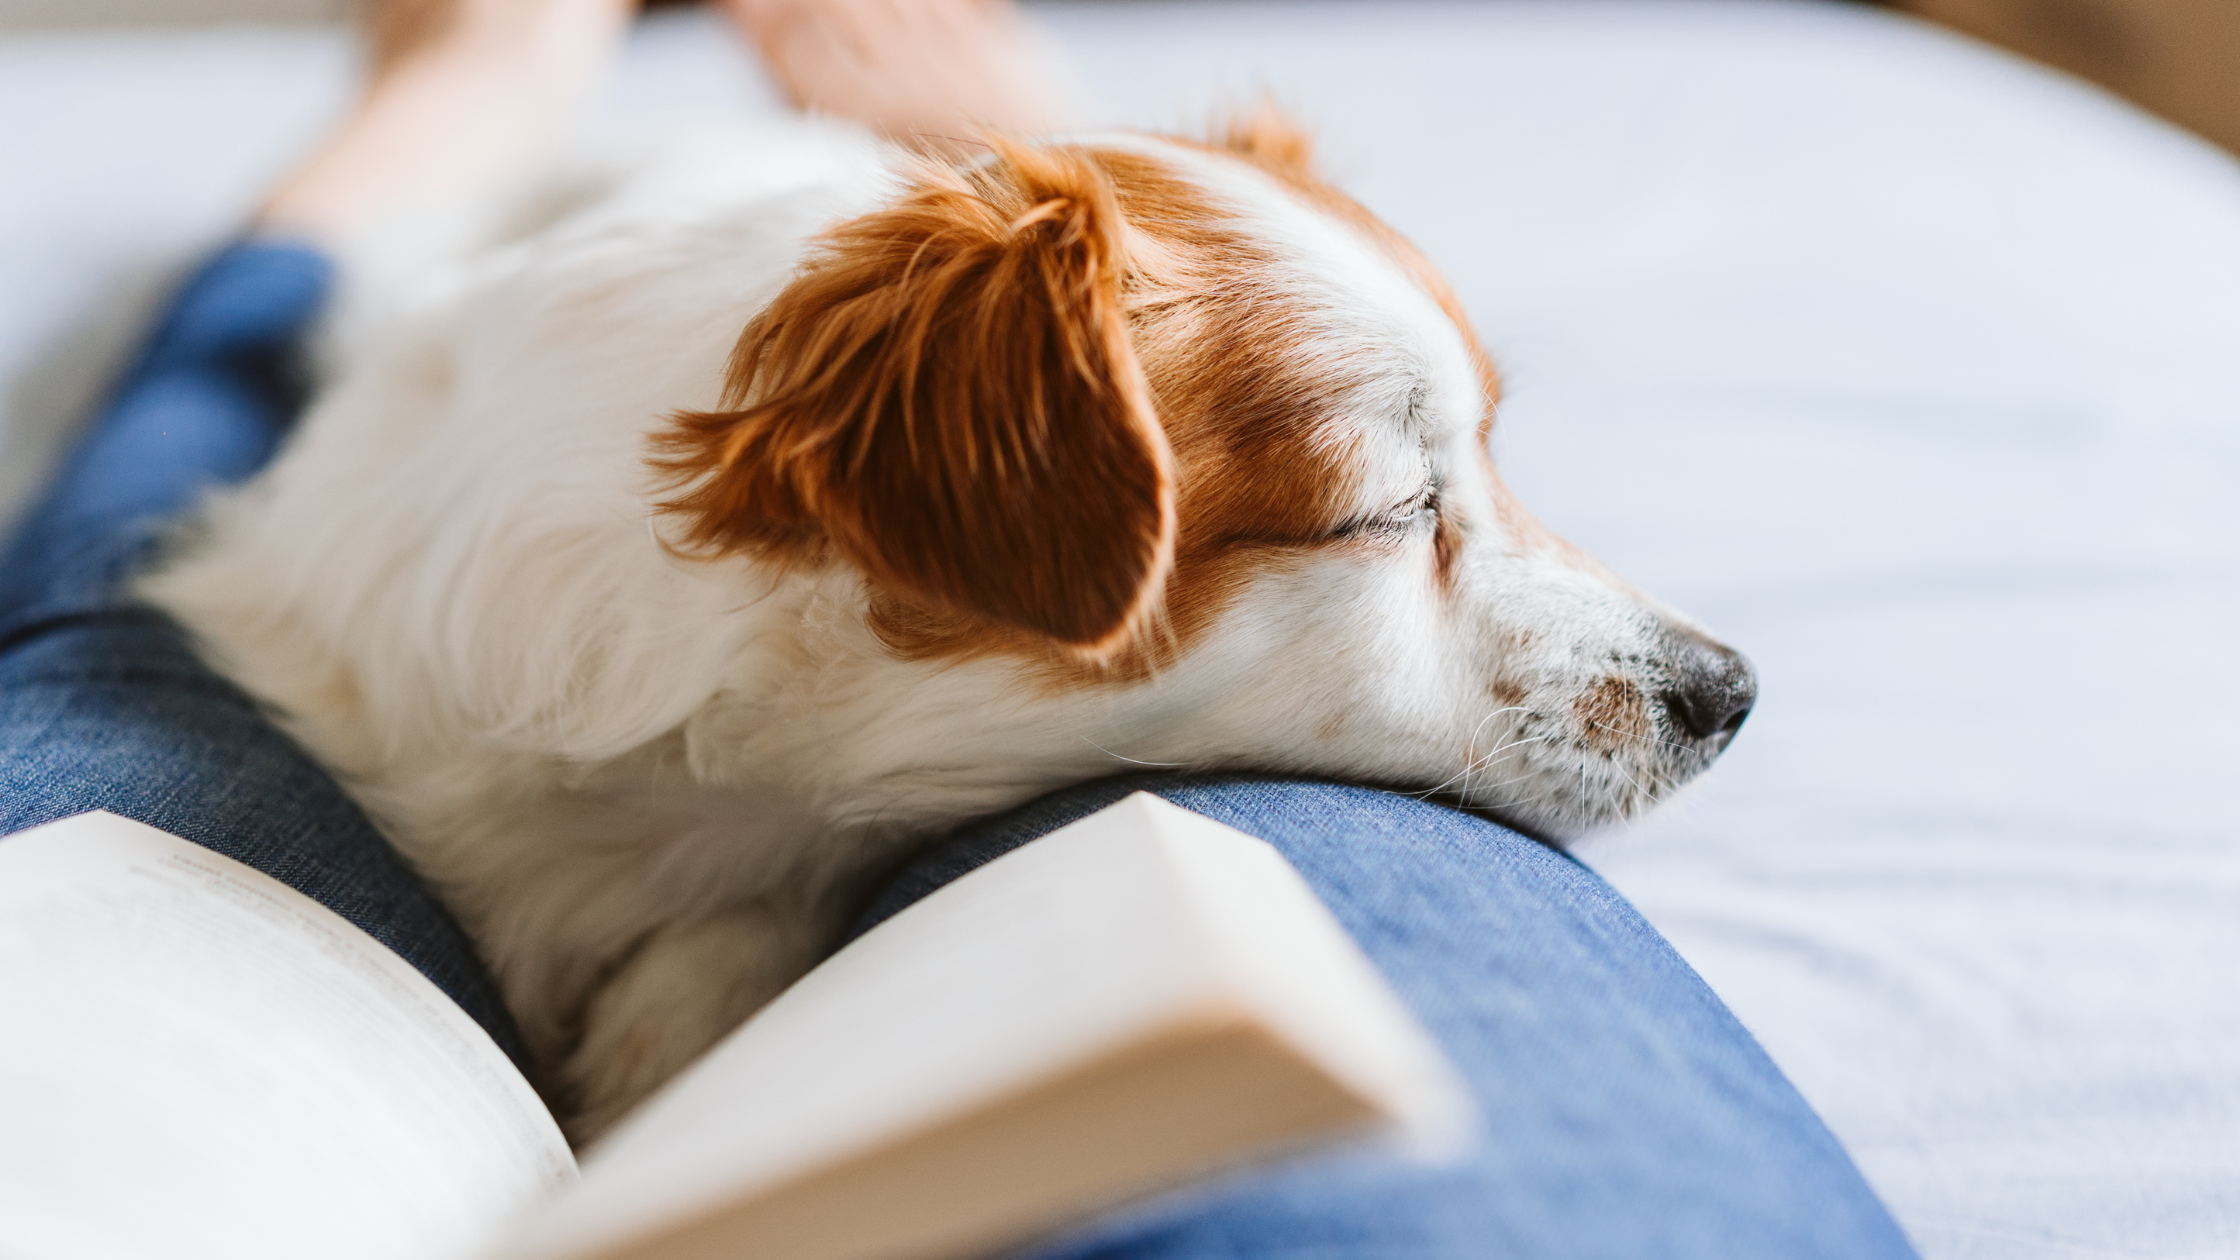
<point>1911,369</point>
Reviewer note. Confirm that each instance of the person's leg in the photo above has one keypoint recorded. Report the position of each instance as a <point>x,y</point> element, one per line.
<point>1626,1112</point>
<point>922,72</point>
<point>103,703</point>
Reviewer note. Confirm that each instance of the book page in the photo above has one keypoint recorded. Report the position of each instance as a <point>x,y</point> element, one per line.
<point>197,1060</point>
<point>1142,996</point>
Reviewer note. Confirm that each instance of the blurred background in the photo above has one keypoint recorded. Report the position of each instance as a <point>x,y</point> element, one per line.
<point>2180,58</point>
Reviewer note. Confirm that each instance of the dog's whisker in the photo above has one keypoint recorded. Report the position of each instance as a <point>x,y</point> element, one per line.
<point>1469,750</point>
<point>1491,758</point>
<point>1478,763</point>
<point>1646,739</point>
<point>1158,765</point>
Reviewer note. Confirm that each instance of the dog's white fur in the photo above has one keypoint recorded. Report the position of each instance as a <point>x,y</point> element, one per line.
<point>653,786</point>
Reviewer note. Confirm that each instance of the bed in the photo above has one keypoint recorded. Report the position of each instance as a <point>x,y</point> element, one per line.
<point>1911,368</point>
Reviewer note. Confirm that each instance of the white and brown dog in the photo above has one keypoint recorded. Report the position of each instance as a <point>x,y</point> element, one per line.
<point>651,642</point>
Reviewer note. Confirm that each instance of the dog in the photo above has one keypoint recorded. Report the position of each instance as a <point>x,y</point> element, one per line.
<point>674,569</point>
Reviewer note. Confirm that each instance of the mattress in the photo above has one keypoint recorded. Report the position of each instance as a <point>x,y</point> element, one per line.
<point>1910,368</point>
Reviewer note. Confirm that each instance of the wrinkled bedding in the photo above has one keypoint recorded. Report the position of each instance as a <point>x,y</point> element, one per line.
<point>1911,369</point>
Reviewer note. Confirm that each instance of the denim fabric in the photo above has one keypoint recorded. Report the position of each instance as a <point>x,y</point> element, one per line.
<point>103,705</point>
<point>1627,1113</point>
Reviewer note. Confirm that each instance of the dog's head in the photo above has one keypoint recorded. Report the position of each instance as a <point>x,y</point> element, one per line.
<point>1144,414</point>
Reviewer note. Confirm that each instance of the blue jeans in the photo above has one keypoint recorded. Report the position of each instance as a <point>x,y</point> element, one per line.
<point>103,703</point>
<point>1627,1114</point>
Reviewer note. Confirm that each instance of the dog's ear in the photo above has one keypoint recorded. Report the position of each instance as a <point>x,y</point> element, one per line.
<point>1270,137</point>
<point>947,397</point>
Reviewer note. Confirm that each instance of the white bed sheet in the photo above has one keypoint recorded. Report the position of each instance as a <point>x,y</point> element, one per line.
<point>1914,370</point>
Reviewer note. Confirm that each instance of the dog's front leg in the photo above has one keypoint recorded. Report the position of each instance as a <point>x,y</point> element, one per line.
<point>684,987</point>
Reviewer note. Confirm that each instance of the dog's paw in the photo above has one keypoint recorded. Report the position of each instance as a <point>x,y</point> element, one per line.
<point>684,988</point>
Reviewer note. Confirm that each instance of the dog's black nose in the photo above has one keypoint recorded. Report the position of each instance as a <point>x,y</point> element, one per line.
<point>1712,688</point>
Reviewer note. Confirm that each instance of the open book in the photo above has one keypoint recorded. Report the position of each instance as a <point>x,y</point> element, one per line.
<point>199,1061</point>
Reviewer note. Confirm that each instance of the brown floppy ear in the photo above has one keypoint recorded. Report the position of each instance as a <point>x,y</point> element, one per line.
<point>1268,136</point>
<point>947,397</point>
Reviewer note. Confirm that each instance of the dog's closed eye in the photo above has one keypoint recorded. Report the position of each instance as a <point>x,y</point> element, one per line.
<point>1417,511</point>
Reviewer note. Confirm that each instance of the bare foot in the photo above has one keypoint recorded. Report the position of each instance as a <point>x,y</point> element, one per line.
<point>922,71</point>
<point>460,96</point>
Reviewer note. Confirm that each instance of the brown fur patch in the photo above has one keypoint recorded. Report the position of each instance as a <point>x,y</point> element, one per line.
<point>1272,142</point>
<point>1269,137</point>
<point>1612,714</point>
